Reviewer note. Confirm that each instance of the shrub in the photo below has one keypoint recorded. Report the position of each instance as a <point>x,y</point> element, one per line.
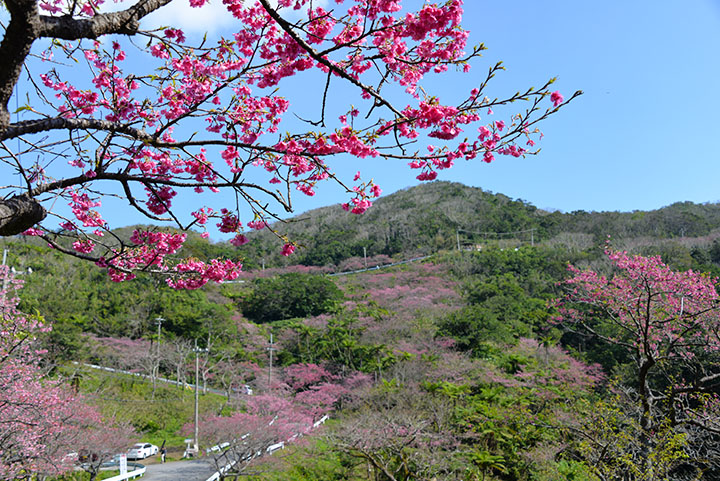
<point>289,296</point>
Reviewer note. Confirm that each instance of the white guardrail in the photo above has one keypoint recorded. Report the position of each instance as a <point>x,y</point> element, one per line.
<point>381,266</point>
<point>135,473</point>
<point>146,376</point>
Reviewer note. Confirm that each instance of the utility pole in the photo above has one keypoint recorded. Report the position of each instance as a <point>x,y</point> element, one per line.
<point>365,256</point>
<point>159,321</point>
<point>271,349</point>
<point>532,237</point>
<point>5,273</point>
<point>156,367</point>
<point>457,235</point>
<point>197,350</point>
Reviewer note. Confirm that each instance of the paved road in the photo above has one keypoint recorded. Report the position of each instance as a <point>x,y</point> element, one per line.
<point>191,470</point>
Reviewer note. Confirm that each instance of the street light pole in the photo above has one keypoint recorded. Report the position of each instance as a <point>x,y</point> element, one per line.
<point>156,367</point>
<point>197,350</point>
<point>272,349</point>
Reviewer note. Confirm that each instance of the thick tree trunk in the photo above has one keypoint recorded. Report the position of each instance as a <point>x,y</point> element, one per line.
<point>19,213</point>
<point>646,421</point>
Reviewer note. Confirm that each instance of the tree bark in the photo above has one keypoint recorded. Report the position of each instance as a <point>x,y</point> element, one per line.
<point>27,25</point>
<point>19,213</point>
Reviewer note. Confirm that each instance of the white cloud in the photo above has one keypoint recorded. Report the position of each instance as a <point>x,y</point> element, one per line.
<point>212,18</point>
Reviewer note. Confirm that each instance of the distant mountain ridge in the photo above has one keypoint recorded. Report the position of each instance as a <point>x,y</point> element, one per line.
<point>439,215</point>
<point>427,218</point>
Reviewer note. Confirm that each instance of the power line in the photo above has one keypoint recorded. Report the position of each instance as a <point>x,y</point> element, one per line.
<point>497,233</point>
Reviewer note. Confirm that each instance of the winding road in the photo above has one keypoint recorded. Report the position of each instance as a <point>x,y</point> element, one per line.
<point>189,470</point>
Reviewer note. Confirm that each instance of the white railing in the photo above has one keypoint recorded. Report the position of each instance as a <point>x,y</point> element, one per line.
<point>135,473</point>
<point>146,376</point>
<point>383,266</point>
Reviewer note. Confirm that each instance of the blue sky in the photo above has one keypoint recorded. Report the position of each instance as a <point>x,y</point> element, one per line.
<point>641,137</point>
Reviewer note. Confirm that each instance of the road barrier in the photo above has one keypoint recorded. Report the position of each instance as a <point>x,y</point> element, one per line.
<point>135,473</point>
<point>186,385</point>
<point>383,266</point>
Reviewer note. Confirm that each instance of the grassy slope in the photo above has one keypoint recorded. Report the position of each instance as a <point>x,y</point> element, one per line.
<point>159,417</point>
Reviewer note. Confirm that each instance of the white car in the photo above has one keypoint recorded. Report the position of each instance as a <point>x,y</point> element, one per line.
<point>142,451</point>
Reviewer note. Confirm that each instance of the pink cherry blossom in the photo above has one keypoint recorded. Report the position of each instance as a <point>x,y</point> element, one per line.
<point>201,117</point>
<point>288,249</point>
<point>556,98</point>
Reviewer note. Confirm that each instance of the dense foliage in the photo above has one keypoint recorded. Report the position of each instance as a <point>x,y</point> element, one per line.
<point>435,216</point>
<point>79,298</point>
<point>454,367</point>
<point>288,296</point>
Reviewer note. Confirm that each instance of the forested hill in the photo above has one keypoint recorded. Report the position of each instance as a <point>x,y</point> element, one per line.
<point>421,220</point>
<point>427,218</point>
<point>437,216</point>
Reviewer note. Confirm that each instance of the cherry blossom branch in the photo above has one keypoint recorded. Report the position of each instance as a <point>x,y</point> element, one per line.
<point>287,27</point>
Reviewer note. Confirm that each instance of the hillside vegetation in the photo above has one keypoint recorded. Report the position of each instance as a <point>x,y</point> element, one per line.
<point>454,367</point>
<point>427,218</point>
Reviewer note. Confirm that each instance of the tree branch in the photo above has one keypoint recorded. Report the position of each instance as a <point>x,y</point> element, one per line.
<point>59,123</point>
<point>14,49</point>
<point>27,25</point>
<point>287,27</point>
<point>19,213</point>
<point>125,22</point>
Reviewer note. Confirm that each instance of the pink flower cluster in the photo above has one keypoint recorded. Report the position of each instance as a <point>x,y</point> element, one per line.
<point>151,249</point>
<point>228,222</point>
<point>84,246</point>
<point>663,312</point>
<point>195,274</point>
<point>230,84</point>
<point>160,200</point>
<point>82,206</point>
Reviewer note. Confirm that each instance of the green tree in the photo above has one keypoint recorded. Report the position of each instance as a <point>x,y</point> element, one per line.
<point>499,312</point>
<point>289,296</point>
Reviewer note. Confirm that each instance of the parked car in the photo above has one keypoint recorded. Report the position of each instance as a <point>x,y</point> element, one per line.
<point>142,451</point>
<point>244,389</point>
<point>114,462</point>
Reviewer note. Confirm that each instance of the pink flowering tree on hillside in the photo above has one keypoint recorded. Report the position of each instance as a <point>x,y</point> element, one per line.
<point>295,406</point>
<point>668,324</point>
<point>264,421</point>
<point>41,418</point>
<point>208,116</point>
<point>98,440</point>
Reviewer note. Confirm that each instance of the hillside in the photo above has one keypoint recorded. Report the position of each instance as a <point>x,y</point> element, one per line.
<point>466,338</point>
<point>438,216</point>
<point>427,218</point>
